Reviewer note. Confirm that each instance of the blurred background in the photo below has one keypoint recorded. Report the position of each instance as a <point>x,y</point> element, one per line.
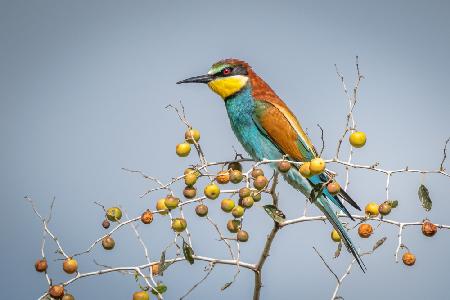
<point>83,86</point>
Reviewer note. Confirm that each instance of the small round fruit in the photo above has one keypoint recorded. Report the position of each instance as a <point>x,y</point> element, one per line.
<point>236,176</point>
<point>334,188</point>
<point>335,236</point>
<point>260,182</point>
<point>244,192</point>
<point>190,179</point>
<point>155,269</point>
<point>70,265</point>
<point>284,166</point>
<point>247,202</point>
<point>141,295</point>
<point>317,166</point>
<point>114,214</point>
<point>428,228</point>
<point>227,205</point>
<point>409,259</point>
<point>56,291</point>
<point>201,210</point>
<point>212,191</point>
<point>357,139</point>
<point>147,217</point>
<point>192,134</point>
<point>106,224</point>
<point>68,297</point>
<point>242,236</point>
<point>257,172</point>
<point>190,192</point>
<point>41,265</point>
<point>108,243</point>
<point>372,209</point>
<point>171,202</point>
<point>179,224</point>
<point>183,149</point>
<point>238,211</point>
<point>223,177</point>
<point>235,166</point>
<point>233,226</point>
<point>384,209</point>
<point>190,170</point>
<point>365,230</point>
<point>160,205</point>
<point>304,170</point>
<point>256,196</point>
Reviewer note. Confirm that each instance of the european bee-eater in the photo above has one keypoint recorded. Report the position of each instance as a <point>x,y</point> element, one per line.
<point>267,129</point>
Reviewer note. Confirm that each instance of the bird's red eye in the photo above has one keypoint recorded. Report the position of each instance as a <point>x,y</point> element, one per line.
<point>226,71</point>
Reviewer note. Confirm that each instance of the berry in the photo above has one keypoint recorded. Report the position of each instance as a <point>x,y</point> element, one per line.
<point>409,259</point>
<point>257,172</point>
<point>335,236</point>
<point>179,224</point>
<point>160,205</point>
<point>223,177</point>
<point>233,225</point>
<point>190,179</point>
<point>147,217</point>
<point>260,182</point>
<point>212,191</point>
<point>56,291</point>
<point>108,243</point>
<point>365,230</point>
<point>317,166</point>
<point>68,297</point>
<point>238,211</point>
<point>247,202</point>
<point>227,205</point>
<point>171,202</point>
<point>155,269</point>
<point>334,188</point>
<point>190,192</point>
<point>41,265</point>
<point>284,166</point>
<point>106,224</point>
<point>244,192</point>
<point>141,295</point>
<point>372,209</point>
<point>191,135</point>
<point>236,176</point>
<point>304,170</point>
<point>242,236</point>
<point>183,149</point>
<point>70,265</point>
<point>384,209</point>
<point>235,166</point>
<point>256,196</point>
<point>201,210</point>
<point>428,228</point>
<point>114,214</point>
<point>357,139</point>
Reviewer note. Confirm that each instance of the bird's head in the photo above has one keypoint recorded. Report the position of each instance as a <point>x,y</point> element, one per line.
<point>225,78</point>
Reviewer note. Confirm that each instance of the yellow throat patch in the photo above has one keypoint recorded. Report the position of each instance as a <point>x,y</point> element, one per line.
<point>227,86</point>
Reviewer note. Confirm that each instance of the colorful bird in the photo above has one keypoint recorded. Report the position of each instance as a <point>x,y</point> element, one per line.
<point>267,129</point>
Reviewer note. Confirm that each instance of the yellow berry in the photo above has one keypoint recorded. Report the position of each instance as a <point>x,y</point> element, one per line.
<point>183,149</point>
<point>317,166</point>
<point>335,236</point>
<point>357,139</point>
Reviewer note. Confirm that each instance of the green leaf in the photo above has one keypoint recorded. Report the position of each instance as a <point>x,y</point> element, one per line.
<point>226,285</point>
<point>379,243</point>
<point>273,212</point>
<point>424,197</point>
<point>162,263</point>
<point>160,288</point>
<point>188,252</point>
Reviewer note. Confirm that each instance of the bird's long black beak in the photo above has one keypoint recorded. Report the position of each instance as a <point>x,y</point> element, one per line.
<point>198,79</point>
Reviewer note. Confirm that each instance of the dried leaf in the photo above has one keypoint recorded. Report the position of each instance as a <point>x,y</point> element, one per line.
<point>393,203</point>
<point>424,197</point>
<point>162,263</point>
<point>273,212</point>
<point>338,250</point>
<point>188,252</point>
<point>226,285</point>
<point>379,243</point>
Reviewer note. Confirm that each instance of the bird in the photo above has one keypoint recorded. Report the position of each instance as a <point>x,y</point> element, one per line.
<point>268,129</point>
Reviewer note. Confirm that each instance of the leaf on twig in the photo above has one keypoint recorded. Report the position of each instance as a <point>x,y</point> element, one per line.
<point>424,197</point>
<point>159,288</point>
<point>379,243</point>
<point>226,285</point>
<point>188,252</point>
<point>162,263</point>
<point>338,250</point>
<point>273,212</point>
<point>393,203</point>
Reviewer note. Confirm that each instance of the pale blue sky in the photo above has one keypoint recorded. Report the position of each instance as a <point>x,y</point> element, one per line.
<point>83,86</point>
